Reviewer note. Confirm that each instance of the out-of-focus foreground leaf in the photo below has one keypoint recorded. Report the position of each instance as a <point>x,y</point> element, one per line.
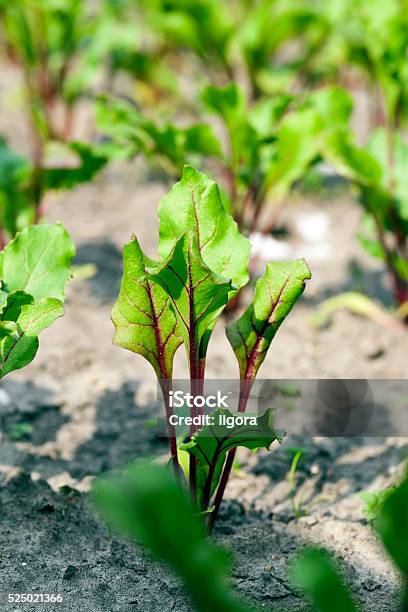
<point>315,573</point>
<point>147,505</point>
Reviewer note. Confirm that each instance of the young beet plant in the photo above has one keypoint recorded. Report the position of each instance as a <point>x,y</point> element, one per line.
<point>204,261</point>
<point>34,269</point>
<point>378,171</point>
<point>24,187</point>
<point>268,146</point>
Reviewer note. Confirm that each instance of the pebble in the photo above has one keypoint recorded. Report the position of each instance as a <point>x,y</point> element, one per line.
<point>70,572</point>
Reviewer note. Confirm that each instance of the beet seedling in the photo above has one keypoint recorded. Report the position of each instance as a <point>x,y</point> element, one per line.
<point>178,300</point>
<point>49,43</point>
<point>24,186</point>
<point>382,193</point>
<point>267,147</point>
<point>34,269</point>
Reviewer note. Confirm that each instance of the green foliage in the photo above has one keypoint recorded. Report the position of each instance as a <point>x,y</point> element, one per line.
<point>148,506</point>
<point>378,172</point>
<point>166,146</point>
<point>203,26</point>
<point>270,144</point>
<point>316,575</point>
<point>314,572</point>
<point>204,260</point>
<point>275,294</point>
<point>23,186</point>
<point>392,526</point>
<point>34,269</point>
<point>15,209</point>
<point>144,322</point>
<point>211,444</point>
<point>58,47</point>
<point>374,501</point>
<point>194,205</point>
<point>296,454</point>
<point>145,503</point>
<point>197,294</point>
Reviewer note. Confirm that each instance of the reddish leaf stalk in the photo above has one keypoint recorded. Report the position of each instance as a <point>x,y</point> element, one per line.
<point>193,364</point>
<point>242,404</point>
<point>166,388</point>
<point>165,384</point>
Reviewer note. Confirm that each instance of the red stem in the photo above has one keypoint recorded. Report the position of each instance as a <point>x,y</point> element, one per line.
<point>243,400</point>
<point>166,387</point>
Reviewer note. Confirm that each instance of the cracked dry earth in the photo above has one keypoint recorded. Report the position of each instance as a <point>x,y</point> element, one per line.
<point>84,407</point>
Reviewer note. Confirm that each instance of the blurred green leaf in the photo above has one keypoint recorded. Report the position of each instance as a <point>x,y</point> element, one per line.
<point>147,505</point>
<point>315,574</point>
<point>393,528</point>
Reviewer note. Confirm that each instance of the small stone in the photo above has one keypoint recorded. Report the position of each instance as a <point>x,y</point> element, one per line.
<point>308,520</point>
<point>4,399</point>
<point>369,584</point>
<point>70,572</point>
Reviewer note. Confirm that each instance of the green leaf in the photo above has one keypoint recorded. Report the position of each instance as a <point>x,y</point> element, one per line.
<point>228,102</point>
<point>334,106</point>
<point>393,528</point>
<point>211,444</point>
<point>38,261</point>
<point>200,138</point>
<point>314,572</point>
<point>90,160</point>
<point>167,145</point>
<point>214,441</point>
<point>15,206</point>
<point>275,295</point>
<point>34,268</point>
<point>265,114</point>
<point>297,146</point>
<point>194,204</point>
<point>146,504</point>
<point>15,301</point>
<point>198,294</point>
<point>378,147</point>
<point>3,299</point>
<point>33,319</point>
<point>349,160</point>
<point>374,501</point>
<point>143,318</point>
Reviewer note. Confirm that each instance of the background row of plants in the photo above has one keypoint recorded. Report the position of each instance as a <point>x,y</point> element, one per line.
<point>256,93</point>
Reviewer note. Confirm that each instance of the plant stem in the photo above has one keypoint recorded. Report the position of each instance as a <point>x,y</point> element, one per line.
<point>400,286</point>
<point>221,489</point>
<point>193,365</point>
<point>166,387</point>
<point>2,239</point>
<point>207,488</point>
<point>243,400</point>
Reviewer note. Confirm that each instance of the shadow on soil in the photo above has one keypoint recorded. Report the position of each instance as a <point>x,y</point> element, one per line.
<point>105,284</point>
